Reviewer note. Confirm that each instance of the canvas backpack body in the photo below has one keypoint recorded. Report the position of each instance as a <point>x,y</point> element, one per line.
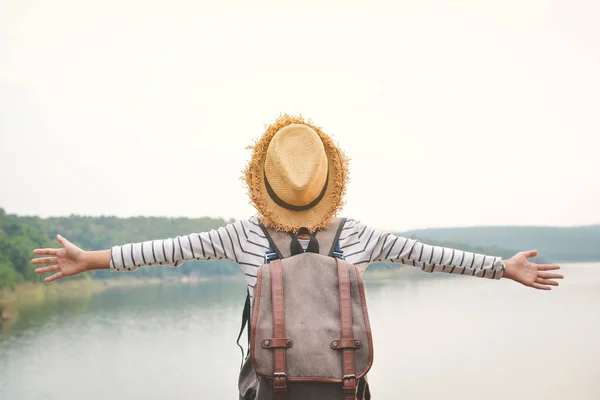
<point>310,336</point>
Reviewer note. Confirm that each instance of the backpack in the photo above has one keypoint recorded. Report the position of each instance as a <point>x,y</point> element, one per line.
<point>309,332</point>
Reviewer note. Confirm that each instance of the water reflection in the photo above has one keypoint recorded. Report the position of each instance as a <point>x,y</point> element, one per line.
<point>436,337</point>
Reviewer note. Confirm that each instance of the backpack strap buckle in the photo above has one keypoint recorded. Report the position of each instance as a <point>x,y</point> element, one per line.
<point>280,385</point>
<point>349,386</point>
<point>338,254</point>
<point>270,256</point>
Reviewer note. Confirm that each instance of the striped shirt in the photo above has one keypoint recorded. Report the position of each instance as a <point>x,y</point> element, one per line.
<point>245,243</point>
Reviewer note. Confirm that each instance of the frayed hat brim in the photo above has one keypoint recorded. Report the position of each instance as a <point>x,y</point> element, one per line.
<point>282,219</point>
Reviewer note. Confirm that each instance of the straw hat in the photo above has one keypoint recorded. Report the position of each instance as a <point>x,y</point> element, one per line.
<point>297,176</point>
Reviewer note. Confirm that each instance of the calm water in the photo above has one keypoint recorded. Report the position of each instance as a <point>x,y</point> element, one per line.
<point>435,338</point>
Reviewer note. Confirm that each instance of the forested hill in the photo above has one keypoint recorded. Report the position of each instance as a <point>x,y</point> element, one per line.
<point>557,244</point>
<point>19,235</point>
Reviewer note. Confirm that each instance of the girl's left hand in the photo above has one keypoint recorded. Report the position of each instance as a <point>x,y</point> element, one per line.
<point>520,269</point>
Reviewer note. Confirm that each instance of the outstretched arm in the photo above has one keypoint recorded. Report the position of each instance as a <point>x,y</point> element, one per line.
<point>228,242</point>
<point>362,245</point>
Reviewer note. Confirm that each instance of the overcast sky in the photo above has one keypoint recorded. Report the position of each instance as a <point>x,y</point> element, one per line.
<point>454,113</point>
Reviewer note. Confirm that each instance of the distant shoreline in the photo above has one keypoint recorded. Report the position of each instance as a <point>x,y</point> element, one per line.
<point>29,294</point>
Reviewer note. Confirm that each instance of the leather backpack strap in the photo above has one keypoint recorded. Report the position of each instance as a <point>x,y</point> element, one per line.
<point>348,367</point>
<point>279,367</point>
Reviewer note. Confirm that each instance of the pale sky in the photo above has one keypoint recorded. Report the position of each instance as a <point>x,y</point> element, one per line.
<point>455,113</point>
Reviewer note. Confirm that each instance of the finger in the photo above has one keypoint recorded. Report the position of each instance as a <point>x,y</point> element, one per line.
<point>46,252</point>
<point>43,270</point>
<point>45,260</point>
<point>541,287</point>
<point>546,282</point>
<point>530,253</point>
<point>54,277</point>
<point>547,275</point>
<point>64,242</point>
<point>547,267</point>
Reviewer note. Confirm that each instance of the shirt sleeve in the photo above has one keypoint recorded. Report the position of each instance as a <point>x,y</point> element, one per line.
<point>363,245</point>
<point>222,243</point>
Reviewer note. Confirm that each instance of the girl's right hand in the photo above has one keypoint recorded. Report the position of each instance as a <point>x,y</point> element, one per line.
<point>69,260</point>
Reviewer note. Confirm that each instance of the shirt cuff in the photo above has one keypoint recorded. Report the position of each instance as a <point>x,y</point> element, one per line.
<point>118,260</point>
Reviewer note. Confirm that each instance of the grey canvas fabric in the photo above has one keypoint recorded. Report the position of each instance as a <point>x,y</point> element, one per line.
<point>312,318</point>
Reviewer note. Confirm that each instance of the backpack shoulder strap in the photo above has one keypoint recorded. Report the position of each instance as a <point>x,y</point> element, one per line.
<point>279,241</point>
<point>329,238</point>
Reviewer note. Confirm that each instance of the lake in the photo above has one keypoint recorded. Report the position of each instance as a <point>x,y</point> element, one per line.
<point>435,337</point>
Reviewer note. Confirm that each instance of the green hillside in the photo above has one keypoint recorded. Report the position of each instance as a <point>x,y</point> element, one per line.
<point>19,235</point>
<point>556,244</point>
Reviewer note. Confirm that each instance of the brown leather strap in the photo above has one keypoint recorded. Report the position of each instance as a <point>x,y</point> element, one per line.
<point>279,371</point>
<point>273,343</point>
<point>348,368</point>
<point>340,344</point>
